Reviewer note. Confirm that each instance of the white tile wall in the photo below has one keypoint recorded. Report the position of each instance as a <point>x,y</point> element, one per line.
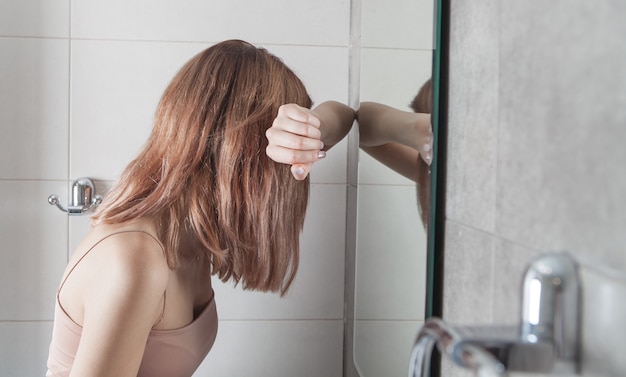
<point>33,108</point>
<point>35,18</point>
<point>323,22</point>
<point>398,24</point>
<point>115,88</point>
<point>33,239</point>
<point>393,76</point>
<point>603,328</point>
<point>275,348</point>
<point>387,260</point>
<point>24,348</point>
<point>79,82</point>
<point>384,347</point>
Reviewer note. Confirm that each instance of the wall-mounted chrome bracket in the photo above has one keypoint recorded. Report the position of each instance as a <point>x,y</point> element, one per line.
<point>83,198</point>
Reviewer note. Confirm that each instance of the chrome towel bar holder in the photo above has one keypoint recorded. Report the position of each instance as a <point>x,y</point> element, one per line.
<point>83,198</point>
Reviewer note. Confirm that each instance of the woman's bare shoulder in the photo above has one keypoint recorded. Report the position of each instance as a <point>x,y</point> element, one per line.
<point>114,264</point>
<point>130,250</point>
<point>128,253</point>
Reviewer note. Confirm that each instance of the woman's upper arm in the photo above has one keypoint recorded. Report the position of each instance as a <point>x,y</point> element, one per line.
<point>122,300</point>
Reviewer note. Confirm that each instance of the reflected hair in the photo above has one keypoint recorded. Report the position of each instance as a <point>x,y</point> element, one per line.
<point>204,172</point>
<point>422,103</point>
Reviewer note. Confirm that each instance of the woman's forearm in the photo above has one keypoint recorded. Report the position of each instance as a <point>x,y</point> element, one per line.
<point>336,120</point>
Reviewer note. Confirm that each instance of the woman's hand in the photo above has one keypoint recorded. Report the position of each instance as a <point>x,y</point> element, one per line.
<point>424,137</point>
<point>295,139</point>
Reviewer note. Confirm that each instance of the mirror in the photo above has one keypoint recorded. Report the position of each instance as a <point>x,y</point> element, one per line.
<point>391,241</point>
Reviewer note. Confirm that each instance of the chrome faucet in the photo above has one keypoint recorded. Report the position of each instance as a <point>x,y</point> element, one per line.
<point>546,341</point>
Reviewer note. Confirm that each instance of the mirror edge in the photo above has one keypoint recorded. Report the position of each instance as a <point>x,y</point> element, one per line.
<point>436,215</point>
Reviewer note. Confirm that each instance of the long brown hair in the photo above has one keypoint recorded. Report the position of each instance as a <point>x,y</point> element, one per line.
<point>422,103</point>
<point>204,171</point>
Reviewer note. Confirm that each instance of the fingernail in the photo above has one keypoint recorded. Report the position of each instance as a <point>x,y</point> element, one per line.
<point>321,145</point>
<point>427,147</point>
<point>321,154</point>
<point>299,171</point>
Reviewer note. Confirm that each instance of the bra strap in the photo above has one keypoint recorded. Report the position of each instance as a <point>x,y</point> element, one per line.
<point>88,251</point>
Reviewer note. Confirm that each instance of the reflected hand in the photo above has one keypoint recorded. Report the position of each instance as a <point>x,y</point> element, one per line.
<point>295,139</point>
<point>425,138</point>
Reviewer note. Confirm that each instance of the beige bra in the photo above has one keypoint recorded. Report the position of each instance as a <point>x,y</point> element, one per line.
<point>168,353</point>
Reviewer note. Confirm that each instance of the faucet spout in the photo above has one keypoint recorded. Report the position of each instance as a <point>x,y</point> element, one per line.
<point>551,307</point>
<point>450,341</point>
<point>422,353</point>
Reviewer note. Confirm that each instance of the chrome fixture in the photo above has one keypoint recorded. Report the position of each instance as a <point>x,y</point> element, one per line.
<point>547,340</point>
<point>83,197</point>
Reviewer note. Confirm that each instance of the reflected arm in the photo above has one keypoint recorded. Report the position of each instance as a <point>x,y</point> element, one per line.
<point>394,137</point>
<point>400,158</point>
<point>381,124</point>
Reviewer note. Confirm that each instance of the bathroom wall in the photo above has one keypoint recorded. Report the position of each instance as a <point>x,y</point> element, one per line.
<point>536,127</point>
<point>79,81</point>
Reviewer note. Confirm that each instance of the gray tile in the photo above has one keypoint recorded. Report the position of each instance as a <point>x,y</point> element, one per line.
<point>473,113</point>
<point>510,262</point>
<point>468,293</point>
<point>561,127</point>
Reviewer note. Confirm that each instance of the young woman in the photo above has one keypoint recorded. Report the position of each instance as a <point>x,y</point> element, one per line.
<point>202,198</point>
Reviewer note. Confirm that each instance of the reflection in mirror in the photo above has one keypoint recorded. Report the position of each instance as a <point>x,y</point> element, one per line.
<point>390,286</point>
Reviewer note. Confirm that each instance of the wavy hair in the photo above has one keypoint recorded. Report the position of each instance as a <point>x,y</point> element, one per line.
<point>204,172</point>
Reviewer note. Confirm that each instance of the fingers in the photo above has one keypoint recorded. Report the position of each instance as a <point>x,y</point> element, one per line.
<point>300,171</point>
<point>426,148</point>
<point>299,114</point>
<point>300,161</point>
<point>295,127</point>
<point>293,156</point>
<point>296,121</point>
<point>295,139</point>
<point>281,137</point>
